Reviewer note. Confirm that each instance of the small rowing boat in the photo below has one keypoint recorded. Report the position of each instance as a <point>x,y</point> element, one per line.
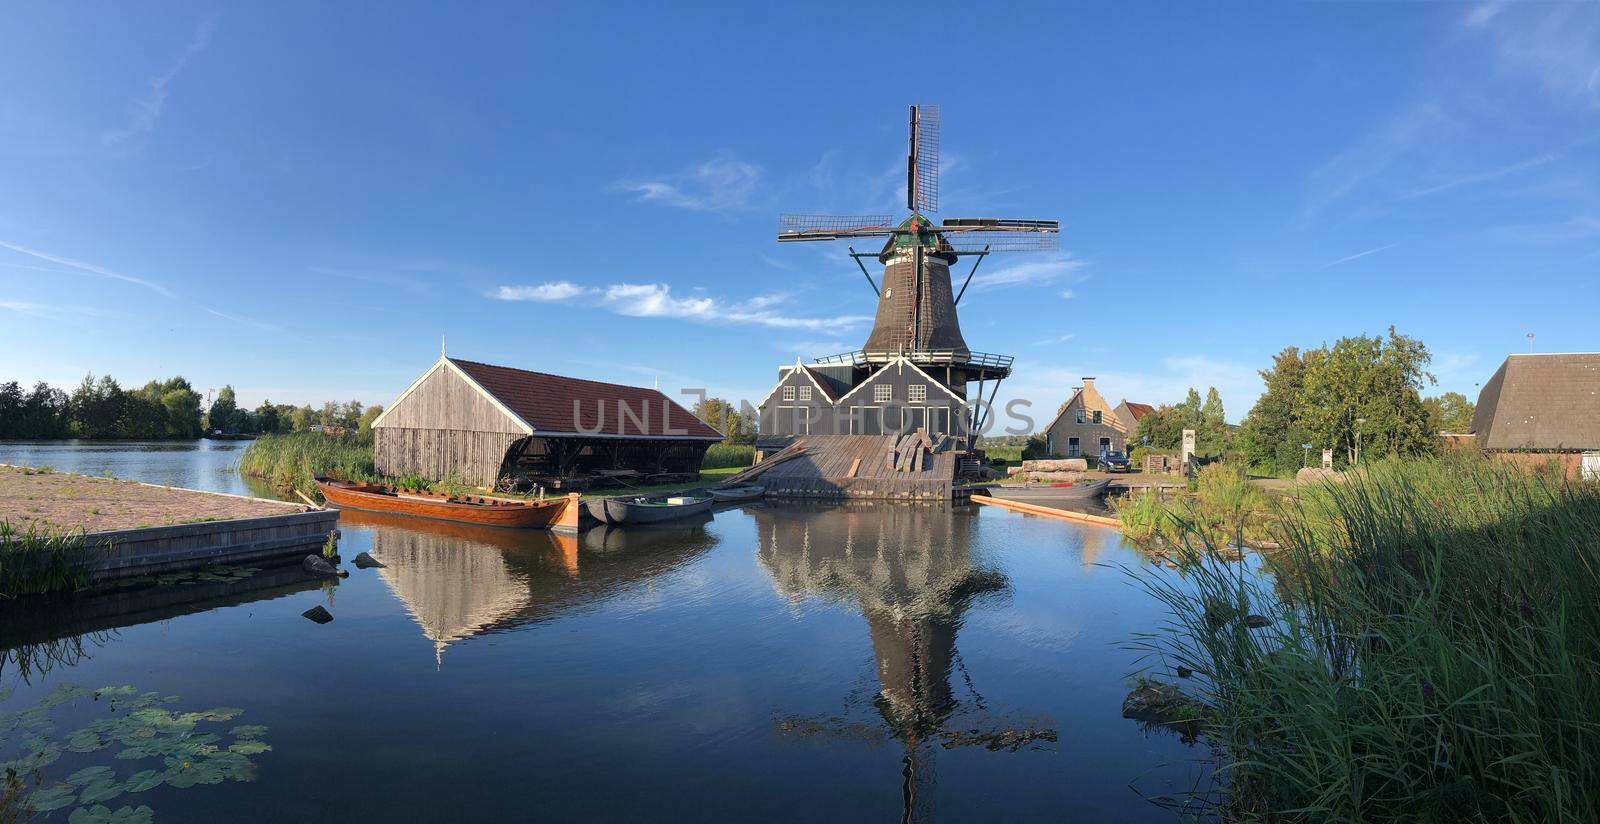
<point>1045,493</point>
<point>468,509</point>
<point>631,511</point>
<point>728,494</point>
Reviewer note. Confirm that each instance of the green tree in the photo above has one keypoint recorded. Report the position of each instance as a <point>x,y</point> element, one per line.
<point>221,415</point>
<point>1450,412</point>
<point>303,418</point>
<point>13,407</point>
<point>1271,435</point>
<point>267,417</point>
<point>364,426</point>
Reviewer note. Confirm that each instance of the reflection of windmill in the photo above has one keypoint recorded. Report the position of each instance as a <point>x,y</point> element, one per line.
<point>916,316</point>
<point>910,571</point>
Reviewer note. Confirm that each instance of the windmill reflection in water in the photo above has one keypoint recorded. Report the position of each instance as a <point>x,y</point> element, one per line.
<point>911,571</point>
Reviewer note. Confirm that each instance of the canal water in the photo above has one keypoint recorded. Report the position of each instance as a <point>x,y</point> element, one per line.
<point>774,663</point>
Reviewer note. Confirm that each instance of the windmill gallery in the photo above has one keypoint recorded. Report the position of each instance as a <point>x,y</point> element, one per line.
<point>897,418</point>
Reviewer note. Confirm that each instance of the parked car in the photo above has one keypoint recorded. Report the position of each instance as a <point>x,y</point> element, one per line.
<point>1112,460</point>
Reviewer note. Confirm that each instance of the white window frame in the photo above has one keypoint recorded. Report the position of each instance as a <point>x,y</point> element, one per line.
<point>788,393</point>
<point>805,393</point>
<point>882,393</point>
<point>917,393</point>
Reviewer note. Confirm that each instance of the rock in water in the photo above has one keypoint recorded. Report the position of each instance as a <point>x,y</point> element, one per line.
<point>316,566</point>
<point>1153,702</point>
<point>365,561</point>
<point>318,614</point>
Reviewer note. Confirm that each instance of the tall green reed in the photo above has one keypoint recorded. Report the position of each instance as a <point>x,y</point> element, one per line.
<point>1431,650</point>
<point>38,560</point>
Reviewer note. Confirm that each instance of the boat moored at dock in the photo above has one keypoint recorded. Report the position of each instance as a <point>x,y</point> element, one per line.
<point>471,509</point>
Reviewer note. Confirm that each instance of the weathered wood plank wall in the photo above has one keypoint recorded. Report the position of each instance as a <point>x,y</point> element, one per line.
<point>445,401</point>
<point>472,457</point>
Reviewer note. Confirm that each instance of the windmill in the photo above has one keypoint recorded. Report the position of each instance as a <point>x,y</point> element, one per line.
<point>916,316</point>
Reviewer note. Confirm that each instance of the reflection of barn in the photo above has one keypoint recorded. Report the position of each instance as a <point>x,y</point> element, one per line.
<point>459,581</point>
<point>482,424</point>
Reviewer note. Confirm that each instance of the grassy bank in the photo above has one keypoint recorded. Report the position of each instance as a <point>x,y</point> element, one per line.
<point>34,561</point>
<point>290,461</point>
<point>1429,650</point>
<point>1221,507</point>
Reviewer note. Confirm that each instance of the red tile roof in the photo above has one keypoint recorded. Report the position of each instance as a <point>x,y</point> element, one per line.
<point>546,402</point>
<point>1139,410</point>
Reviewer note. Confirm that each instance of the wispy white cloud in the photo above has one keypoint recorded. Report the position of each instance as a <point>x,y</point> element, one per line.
<point>657,300</point>
<point>553,291</point>
<point>1360,255</point>
<point>717,185</point>
<point>1055,340</point>
<point>102,271</point>
<point>1034,271</point>
<point>1557,45</point>
<point>145,110</point>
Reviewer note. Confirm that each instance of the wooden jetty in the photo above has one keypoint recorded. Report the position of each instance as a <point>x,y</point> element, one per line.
<point>912,467</point>
<point>134,528</point>
<point>1048,511</point>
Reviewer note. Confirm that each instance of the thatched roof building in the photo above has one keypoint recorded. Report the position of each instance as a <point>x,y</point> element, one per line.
<point>482,423</point>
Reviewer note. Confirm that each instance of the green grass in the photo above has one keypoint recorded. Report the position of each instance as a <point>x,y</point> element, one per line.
<point>39,560</point>
<point>1430,650</point>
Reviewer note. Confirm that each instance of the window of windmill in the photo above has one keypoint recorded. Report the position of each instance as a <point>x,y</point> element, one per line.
<point>882,393</point>
<point>788,393</point>
<point>916,393</point>
<point>805,393</point>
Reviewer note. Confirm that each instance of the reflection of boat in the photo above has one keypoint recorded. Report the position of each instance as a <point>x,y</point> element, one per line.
<point>469,509</point>
<point>738,493</point>
<point>1048,493</point>
<point>631,511</point>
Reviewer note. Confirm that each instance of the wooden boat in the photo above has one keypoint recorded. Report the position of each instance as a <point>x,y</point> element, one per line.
<point>747,492</point>
<point>596,507</point>
<point>469,509</point>
<point>628,511</point>
<point>1046,493</point>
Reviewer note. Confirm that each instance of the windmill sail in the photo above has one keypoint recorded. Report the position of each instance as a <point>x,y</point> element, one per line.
<point>833,227</point>
<point>971,234</point>
<point>922,162</point>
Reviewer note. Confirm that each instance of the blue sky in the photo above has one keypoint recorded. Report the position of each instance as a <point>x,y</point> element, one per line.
<point>300,199</point>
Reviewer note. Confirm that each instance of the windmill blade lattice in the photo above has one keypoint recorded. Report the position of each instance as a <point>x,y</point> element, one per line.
<point>922,181</point>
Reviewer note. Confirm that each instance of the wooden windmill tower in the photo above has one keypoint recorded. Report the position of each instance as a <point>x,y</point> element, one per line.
<point>916,316</point>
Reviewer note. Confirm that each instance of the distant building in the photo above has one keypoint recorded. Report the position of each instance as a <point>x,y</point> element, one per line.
<point>1087,424</point>
<point>481,423</point>
<point>1539,408</point>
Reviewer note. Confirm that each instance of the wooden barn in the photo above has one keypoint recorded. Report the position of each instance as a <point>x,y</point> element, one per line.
<point>491,425</point>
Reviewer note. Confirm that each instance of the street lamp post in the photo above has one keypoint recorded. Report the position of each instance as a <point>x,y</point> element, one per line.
<point>1307,448</point>
<point>1359,422</point>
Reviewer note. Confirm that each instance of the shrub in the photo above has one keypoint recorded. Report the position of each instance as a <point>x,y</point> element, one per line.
<point>722,455</point>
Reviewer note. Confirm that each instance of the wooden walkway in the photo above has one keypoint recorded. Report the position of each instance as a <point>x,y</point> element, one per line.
<point>858,466</point>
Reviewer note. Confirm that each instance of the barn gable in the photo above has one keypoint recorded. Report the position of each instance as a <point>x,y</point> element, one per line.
<point>445,397</point>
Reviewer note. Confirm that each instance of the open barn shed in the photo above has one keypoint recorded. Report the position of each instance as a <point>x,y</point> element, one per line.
<point>489,425</point>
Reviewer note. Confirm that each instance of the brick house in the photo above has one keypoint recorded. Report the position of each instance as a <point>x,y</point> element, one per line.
<point>1087,423</point>
<point>1542,408</point>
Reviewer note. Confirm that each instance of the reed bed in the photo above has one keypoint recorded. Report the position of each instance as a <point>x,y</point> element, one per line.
<point>38,560</point>
<point>1427,650</point>
<point>291,461</point>
<point>724,455</point>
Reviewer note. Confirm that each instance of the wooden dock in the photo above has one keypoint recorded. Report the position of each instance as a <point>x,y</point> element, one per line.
<point>861,467</point>
<point>1049,511</point>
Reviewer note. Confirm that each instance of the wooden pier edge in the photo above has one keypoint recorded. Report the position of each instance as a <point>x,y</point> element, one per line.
<point>1035,509</point>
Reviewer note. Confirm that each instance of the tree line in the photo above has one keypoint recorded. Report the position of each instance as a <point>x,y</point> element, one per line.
<point>159,410</point>
<point>1360,389</point>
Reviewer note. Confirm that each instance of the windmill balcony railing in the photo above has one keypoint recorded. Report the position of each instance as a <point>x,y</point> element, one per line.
<point>953,357</point>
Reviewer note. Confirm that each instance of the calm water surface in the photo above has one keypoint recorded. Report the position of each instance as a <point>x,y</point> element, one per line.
<point>783,663</point>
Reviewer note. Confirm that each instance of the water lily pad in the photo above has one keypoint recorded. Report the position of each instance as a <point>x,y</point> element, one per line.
<point>85,741</point>
<point>145,780</point>
<point>248,731</point>
<point>51,798</point>
<point>100,814</point>
<point>104,789</point>
<point>89,775</point>
<point>250,747</point>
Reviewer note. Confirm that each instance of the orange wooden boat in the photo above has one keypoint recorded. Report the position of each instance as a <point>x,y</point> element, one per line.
<point>469,509</point>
